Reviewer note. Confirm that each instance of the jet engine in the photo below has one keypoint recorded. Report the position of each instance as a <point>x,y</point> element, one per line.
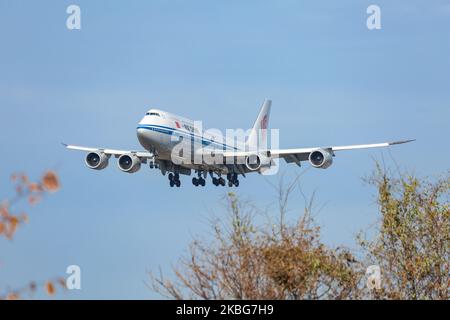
<point>97,160</point>
<point>321,158</point>
<point>257,161</point>
<point>129,163</point>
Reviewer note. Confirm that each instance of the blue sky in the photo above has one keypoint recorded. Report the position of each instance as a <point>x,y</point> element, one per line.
<point>332,82</point>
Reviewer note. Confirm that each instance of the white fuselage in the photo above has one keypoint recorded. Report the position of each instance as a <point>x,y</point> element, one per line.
<point>161,131</point>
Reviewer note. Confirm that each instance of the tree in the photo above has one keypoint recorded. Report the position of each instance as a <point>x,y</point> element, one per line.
<point>263,261</point>
<point>282,260</point>
<point>412,242</point>
<point>10,220</point>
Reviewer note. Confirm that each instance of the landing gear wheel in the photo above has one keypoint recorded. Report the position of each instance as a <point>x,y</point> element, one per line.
<point>195,181</point>
<point>170,176</point>
<point>215,181</point>
<point>222,182</point>
<point>202,182</point>
<point>171,183</point>
<point>178,183</point>
<point>230,183</point>
<point>236,183</point>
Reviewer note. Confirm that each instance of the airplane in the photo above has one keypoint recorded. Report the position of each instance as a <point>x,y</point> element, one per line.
<point>160,133</point>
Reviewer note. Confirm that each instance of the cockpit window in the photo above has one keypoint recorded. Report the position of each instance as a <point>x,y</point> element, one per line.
<point>153,114</point>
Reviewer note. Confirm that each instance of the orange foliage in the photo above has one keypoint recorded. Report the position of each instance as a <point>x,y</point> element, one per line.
<point>50,181</point>
<point>50,288</point>
<point>32,193</point>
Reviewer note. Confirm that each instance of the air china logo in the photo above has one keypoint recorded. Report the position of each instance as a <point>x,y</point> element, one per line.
<point>264,128</point>
<point>264,122</point>
<point>177,124</point>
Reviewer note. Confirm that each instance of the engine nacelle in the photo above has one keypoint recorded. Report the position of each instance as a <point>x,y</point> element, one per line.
<point>321,158</point>
<point>97,160</point>
<point>257,161</point>
<point>129,163</point>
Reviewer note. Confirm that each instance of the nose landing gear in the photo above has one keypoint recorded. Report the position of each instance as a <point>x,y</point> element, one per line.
<point>153,165</point>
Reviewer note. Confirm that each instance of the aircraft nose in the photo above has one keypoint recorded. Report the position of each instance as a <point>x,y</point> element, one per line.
<point>142,133</point>
<point>146,137</point>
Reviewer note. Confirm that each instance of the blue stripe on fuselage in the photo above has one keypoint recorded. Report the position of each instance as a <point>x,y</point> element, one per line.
<point>170,131</point>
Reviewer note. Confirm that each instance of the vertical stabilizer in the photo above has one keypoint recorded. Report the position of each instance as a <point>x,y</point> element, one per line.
<point>258,135</point>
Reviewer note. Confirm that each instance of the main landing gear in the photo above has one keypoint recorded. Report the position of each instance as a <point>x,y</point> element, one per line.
<point>174,180</point>
<point>218,181</point>
<point>199,181</point>
<point>232,179</point>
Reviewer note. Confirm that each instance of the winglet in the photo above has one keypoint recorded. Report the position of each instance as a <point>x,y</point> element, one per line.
<point>64,144</point>
<point>401,142</point>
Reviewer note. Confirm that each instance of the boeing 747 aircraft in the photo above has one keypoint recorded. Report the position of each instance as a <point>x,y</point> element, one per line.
<point>161,134</point>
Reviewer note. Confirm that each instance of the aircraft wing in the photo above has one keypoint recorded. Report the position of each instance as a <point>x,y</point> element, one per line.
<point>302,154</point>
<point>113,152</point>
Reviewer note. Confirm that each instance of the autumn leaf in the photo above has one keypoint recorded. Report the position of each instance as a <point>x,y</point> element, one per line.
<point>13,296</point>
<point>23,217</point>
<point>13,222</point>
<point>4,211</point>
<point>50,181</point>
<point>32,200</point>
<point>34,187</point>
<point>24,178</point>
<point>62,282</point>
<point>50,288</point>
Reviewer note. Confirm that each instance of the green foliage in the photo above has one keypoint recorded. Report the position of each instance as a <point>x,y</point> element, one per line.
<point>412,243</point>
